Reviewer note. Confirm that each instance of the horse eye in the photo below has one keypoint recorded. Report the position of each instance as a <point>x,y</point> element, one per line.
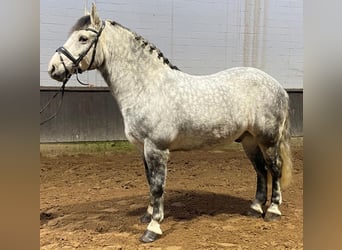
<point>83,39</point>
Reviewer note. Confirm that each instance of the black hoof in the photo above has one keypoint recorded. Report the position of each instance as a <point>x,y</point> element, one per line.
<point>271,216</point>
<point>146,218</point>
<point>149,237</point>
<point>253,213</point>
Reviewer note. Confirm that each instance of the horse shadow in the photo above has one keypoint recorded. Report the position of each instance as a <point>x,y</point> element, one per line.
<point>188,205</point>
<point>121,214</point>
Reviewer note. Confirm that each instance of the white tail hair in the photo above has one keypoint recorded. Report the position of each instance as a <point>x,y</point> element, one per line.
<point>285,152</point>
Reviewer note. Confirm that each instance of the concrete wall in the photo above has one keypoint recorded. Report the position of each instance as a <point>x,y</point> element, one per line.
<point>89,114</point>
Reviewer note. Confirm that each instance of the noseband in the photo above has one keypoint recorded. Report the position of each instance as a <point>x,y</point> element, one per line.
<point>76,61</point>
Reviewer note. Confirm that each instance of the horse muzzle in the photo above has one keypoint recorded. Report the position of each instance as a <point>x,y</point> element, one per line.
<point>58,69</point>
<point>58,75</point>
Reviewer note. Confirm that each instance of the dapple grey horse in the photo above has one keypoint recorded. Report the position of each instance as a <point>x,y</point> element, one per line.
<point>165,109</point>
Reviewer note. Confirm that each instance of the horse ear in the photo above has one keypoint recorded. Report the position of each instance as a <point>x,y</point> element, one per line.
<point>95,19</point>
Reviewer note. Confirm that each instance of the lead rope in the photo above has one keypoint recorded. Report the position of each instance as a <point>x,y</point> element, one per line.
<point>61,90</point>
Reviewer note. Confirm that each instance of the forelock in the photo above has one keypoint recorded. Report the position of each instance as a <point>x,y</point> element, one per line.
<point>81,24</point>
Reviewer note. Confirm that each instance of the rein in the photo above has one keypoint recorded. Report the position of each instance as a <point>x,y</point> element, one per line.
<point>75,66</point>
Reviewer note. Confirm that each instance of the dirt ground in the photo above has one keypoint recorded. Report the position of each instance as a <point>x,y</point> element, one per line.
<point>94,201</point>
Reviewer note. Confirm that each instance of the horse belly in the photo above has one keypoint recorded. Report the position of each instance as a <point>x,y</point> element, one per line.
<point>186,142</point>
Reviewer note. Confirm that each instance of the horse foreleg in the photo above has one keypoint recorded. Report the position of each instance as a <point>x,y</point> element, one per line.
<point>156,160</point>
<point>147,217</point>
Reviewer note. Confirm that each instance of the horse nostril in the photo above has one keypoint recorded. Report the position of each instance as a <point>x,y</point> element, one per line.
<point>53,68</point>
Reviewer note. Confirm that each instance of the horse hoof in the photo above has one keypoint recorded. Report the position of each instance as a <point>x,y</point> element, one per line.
<point>253,213</point>
<point>149,236</point>
<point>146,218</point>
<point>272,217</point>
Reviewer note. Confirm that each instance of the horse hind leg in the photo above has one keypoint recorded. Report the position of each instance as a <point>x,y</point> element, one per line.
<point>255,155</point>
<point>274,165</point>
<point>277,154</point>
<point>155,166</point>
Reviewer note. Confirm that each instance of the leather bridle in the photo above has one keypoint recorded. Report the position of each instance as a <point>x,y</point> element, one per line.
<point>76,61</point>
<point>75,66</point>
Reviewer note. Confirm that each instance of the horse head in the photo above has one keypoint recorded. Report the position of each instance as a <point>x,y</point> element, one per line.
<point>81,51</point>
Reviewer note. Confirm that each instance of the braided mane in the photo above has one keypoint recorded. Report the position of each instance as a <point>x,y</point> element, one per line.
<point>147,45</point>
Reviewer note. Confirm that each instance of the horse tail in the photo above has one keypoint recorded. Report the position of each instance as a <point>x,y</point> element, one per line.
<point>285,151</point>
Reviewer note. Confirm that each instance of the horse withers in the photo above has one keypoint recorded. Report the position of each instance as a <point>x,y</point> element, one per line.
<point>165,109</point>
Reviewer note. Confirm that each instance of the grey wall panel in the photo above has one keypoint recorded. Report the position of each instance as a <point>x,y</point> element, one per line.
<point>92,115</point>
<point>85,116</point>
<point>198,36</point>
<point>296,112</point>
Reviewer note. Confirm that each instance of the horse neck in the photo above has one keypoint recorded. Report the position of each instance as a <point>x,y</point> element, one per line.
<point>131,64</point>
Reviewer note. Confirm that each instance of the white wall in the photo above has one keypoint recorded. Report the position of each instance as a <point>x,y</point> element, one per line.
<point>198,36</point>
